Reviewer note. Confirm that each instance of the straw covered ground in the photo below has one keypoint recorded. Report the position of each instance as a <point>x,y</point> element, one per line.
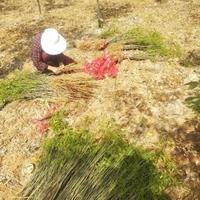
<point>145,104</point>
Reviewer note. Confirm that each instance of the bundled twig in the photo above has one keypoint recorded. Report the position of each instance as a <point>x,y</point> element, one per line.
<point>73,89</point>
<point>24,85</point>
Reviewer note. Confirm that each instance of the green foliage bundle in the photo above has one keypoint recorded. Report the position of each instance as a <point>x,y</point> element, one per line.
<point>152,40</point>
<point>74,166</point>
<point>22,85</point>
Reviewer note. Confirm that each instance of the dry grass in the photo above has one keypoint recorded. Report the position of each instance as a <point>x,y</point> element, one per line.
<point>5,6</point>
<point>56,4</point>
<point>113,9</point>
<point>90,44</point>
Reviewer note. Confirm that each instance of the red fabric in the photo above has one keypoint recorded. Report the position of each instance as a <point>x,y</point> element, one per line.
<point>44,56</point>
<point>36,53</point>
<point>101,67</point>
<point>41,60</point>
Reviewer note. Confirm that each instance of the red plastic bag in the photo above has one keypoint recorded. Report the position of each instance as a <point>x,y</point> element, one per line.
<point>101,67</point>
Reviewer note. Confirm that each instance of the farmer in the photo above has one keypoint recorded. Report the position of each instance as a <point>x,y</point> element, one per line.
<point>47,51</point>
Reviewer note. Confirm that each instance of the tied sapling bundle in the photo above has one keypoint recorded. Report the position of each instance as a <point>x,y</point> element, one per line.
<point>23,85</point>
<point>74,166</point>
<point>73,89</point>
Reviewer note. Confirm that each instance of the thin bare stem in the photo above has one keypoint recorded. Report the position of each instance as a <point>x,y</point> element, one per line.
<point>99,16</point>
<point>39,6</point>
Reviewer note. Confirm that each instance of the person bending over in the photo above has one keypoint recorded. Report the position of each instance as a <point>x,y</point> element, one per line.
<point>47,51</point>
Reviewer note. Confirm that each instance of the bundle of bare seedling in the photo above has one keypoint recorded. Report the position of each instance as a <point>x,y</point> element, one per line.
<point>73,88</point>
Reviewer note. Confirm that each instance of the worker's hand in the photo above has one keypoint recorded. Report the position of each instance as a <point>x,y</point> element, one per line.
<point>55,70</point>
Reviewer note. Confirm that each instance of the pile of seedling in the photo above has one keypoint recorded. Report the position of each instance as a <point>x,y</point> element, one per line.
<point>26,85</point>
<point>23,85</point>
<point>74,88</point>
<point>150,44</point>
<point>74,165</point>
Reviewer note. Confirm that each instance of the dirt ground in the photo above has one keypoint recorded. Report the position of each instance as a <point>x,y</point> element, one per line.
<point>146,99</point>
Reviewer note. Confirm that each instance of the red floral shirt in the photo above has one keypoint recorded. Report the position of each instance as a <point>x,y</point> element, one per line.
<point>41,60</point>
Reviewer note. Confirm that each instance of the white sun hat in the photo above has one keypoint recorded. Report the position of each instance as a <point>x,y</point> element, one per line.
<point>52,42</point>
